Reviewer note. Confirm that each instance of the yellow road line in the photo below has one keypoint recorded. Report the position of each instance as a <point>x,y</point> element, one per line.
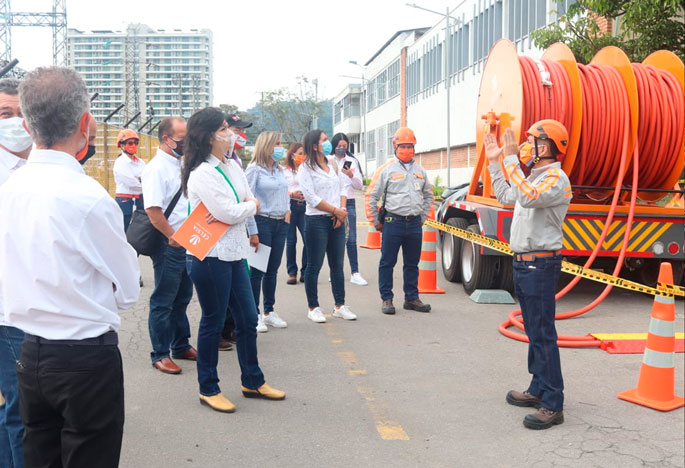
<point>386,427</point>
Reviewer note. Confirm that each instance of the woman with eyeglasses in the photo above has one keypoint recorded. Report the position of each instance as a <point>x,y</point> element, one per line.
<point>267,181</point>
<point>221,279</point>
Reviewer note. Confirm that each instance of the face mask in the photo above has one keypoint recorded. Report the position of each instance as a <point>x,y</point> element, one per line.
<point>89,154</point>
<point>326,147</point>
<point>405,154</point>
<point>299,158</point>
<point>278,153</point>
<point>13,135</point>
<point>340,152</point>
<point>178,151</point>
<point>131,148</point>
<point>230,138</point>
<point>526,155</point>
<point>241,141</point>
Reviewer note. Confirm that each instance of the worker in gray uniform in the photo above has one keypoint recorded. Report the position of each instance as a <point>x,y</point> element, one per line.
<point>406,195</point>
<point>541,193</point>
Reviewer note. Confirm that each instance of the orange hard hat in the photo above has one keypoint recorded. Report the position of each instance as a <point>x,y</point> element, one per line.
<point>549,129</point>
<point>126,134</point>
<point>403,135</point>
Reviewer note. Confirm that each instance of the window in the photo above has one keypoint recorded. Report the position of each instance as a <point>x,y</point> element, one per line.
<point>487,28</point>
<point>394,79</point>
<point>525,16</point>
<point>432,64</point>
<point>413,77</point>
<point>371,95</point>
<point>371,146</point>
<point>380,144</point>
<point>391,129</point>
<point>337,112</point>
<point>459,49</point>
<point>380,87</point>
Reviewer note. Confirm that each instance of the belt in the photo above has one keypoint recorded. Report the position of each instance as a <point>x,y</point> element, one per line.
<point>531,256</point>
<point>127,195</point>
<point>406,218</point>
<point>277,218</point>
<point>299,202</point>
<point>108,339</point>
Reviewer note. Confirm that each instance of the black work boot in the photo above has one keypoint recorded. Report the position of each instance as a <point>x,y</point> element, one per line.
<point>543,419</point>
<point>522,399</point>
<point>417,305</point>
<point>388,308</point>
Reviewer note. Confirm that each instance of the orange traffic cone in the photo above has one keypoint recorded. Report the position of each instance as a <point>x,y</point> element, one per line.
<point>373,239</point>
<point>428,281</point>
<point>656,384</point>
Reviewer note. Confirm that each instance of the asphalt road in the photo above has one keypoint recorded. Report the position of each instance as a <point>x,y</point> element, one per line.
<point>398,391</point>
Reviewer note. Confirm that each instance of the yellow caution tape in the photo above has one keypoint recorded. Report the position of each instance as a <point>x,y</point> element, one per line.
<point>661,289</point>
<point>629,336</point>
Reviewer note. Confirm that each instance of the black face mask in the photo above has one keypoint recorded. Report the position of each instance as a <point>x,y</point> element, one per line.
<point>179,147</point>
<point>89,154</point>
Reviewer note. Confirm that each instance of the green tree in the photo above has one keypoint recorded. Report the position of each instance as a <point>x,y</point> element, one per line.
<point>642,27</point>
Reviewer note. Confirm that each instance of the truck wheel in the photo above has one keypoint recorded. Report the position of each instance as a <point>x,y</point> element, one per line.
<point>477,270</point>
<point>505,274</point>
<point>451,251</point>
<point>649,273</point>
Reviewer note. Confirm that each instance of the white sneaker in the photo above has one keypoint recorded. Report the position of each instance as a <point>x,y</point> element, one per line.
<point>274,320</point>
<point>344,312</point>
<point>316,315</point>
<point>357,279</point>
<point>261,327</point>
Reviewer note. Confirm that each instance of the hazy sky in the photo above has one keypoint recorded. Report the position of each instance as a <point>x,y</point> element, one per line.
<point>259,45</point>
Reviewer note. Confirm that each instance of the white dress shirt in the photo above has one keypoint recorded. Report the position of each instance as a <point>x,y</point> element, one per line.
<point>161,180</point>
<point>127,172</point>
<point>318,185</point>
<point>8,164</point>
<point>353,183</point>
<point>208,186</point>
<point>64,260</point>
<point>293,180</point>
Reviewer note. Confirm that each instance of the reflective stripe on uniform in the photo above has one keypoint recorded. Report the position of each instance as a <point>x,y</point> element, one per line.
<point>659,359</point>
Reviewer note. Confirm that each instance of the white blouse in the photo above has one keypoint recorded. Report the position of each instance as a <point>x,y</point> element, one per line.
<point>207,185</point>
<point>318,185</point>
<point>293,179</point>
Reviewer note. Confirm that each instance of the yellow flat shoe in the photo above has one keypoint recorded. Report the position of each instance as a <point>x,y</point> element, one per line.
<point>265,392</point>
<point>218,403</point>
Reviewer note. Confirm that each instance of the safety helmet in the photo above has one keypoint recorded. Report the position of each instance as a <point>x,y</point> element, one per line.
<point>403,135</point>
<point>549,129</point>
<point>126,134</point>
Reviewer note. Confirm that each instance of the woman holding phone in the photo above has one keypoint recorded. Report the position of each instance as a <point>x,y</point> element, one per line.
<point>210,178</point>
<point>351,179</point>
<point>324,224</point>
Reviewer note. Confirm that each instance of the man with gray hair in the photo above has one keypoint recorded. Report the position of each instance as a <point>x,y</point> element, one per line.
<point>15,145</point>
<point>66,268</point>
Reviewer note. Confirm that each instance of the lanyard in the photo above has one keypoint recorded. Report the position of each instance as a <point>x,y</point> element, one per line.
<point>237,199</point>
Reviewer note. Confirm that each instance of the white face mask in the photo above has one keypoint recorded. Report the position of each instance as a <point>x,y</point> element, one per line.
<point>13,135</point>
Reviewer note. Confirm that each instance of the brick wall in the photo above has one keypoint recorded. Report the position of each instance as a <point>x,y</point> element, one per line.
<point>606,25</point>
<point>459,157</point>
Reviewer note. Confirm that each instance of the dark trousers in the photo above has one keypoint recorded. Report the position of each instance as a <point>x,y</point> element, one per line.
<point>126,204</point>
<point>408,235</point>
<point>11,429</point>
<point>220,285</point>
<point>352,236</point>
<point>535,283</point>
<point>272,232</point>
<point>321,239</point>
<point>72,405</point>
<point>168,322</point>
<point>297,216</point>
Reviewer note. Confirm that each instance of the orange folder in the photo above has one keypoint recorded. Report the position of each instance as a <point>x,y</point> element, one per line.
<point>196,235</point>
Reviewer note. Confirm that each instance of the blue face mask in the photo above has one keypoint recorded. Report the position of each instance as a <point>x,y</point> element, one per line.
<point>278,153</point>
<point>326,147</point>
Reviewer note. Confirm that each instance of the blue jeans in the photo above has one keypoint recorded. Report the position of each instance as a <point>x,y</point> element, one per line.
<point>352,236</point>
<point>221,285</point>
<point>168,322</point>
<point>11,428</point>
<point>272,232</point>
<point>408,235</point>
<point>126,204</point>
<point>320,239</point>
<point>297,215</point>
<point>535,283</point>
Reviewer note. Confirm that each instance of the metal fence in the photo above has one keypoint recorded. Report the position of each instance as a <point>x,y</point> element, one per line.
<point>100,165</point>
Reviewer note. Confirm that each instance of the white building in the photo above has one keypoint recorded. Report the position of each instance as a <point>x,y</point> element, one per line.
<point>404,84</point>
<point>155,72</point>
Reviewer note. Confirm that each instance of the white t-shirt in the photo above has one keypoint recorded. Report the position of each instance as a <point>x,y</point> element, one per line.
<point>161,181</point>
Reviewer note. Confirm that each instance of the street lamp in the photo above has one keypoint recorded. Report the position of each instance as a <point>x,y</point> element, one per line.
<point>448,64</point>
<point>363,105</point>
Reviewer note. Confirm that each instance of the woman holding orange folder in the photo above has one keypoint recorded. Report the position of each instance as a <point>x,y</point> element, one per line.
<point>221,279</point>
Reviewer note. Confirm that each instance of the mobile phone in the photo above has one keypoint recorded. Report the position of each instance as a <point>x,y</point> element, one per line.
<point>347,164</point>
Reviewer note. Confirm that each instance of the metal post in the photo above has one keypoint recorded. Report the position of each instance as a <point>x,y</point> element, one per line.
<point>105,158</point>
<point>447,86</point>
<point>362,102</point>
